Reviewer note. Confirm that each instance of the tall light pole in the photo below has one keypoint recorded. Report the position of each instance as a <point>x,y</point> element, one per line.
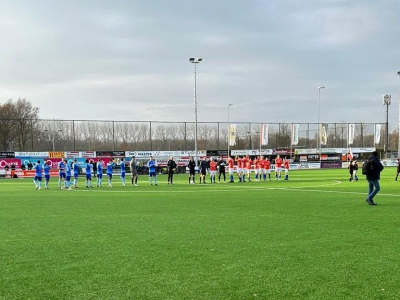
<point>398,146</point>
<point>53,137</point>
<point>229,129</point>
<point>387,100</point>
<point>319,112</point>
<point>195,61</point>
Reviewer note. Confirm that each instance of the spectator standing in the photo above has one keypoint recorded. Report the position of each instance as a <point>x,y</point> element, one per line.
<point>171,164</point>
<point>373,178</point>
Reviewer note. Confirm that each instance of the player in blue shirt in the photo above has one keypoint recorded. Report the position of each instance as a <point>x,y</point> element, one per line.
<point>89,168</point>
<point>61,173</point>
<point>123,171</point>
<point>46,169</point>
<point>75,167</point>
<point>38,175</point>
<point>110,167</point>
<point>151,164</point>
<point>99,174</point>
<point>68,169</point>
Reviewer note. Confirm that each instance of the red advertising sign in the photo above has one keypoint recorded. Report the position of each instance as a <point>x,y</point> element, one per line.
<point>54,162</point>
<point>9,161</point>
<point>28,174</point>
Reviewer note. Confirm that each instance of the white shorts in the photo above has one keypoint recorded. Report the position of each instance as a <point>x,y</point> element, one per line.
<point>278,170</point>
<point>212,173</point>
<point>239,170</point>
<point>248,171</point>
<point>231,171</point>
<point>267,171</point>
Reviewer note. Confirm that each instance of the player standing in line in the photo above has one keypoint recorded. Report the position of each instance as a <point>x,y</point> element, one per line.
<point>192,170</point>
<point>99,174</point>
<point>213,170</point>
<point>203,169</point>
<point>267,164</point>
<point>75,167</point>
<point>38,175</point>
<point>46,169</point>
<point>67,175</point>
<point>286,164</point>
<point>89,169</point>
<point>110,166</point>
<point>151,164</point>
<point>261,170</point>
<point>239,166</point>
<point>123,171</point>
<point>61,172</point>
<point>248,168</point>
<point>398,169</point>
<point>221,169</point>
<point>134,173</point>
<point>231,168</point>
<point>278,167</point>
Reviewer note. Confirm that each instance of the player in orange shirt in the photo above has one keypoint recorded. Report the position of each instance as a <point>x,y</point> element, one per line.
<point>267,169</point>
<point>249,162</point>
<point>286,164</point>
<point>213,170</point>
<point>231,168</point>
<point>239,166</point>
<point>278,167</point>
<point>257,167</point>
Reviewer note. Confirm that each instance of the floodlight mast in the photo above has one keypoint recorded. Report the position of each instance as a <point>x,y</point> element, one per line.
<point>319,111</point>
<point>387,100</point>
<point>229,129</point>
<point>398,146</point>
<point>195,61</point>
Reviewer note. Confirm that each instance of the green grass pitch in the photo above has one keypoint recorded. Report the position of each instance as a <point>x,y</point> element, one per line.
<point>312,237</point>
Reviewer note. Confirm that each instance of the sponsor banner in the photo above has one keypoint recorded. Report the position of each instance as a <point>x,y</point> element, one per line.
<point>72,154</point>
<point>232,134</point>
<point>312,157</point>
<point>351,133</point>
<point>363,150</point>
<point>309,166</point>
<point>295,134</point>
<point>251,152</point>
<point>347,156</point>
<point>147,154</point>
<point>283,151</point>
<point>331,164</point>
<point>7,154</point>
<point>31,154</point>
<point>88,154</point>
<point>325,157</point>
<point>303,158</point>
<point>33,160</point>
<point>54,162</point>
<point>378,128</point>
<point>118,153</point>
<point>30,173</point>
<point>56,154</point>
<point>9,161</point>
<point>217,152</point>
<point>323,134</point>
<point>389,163</point>
<point>264,134</point>
<point>104,153</point>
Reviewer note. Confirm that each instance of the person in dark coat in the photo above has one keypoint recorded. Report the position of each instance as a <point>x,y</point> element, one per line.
<point>373,178</point>
<point>351,170</point>
<point>398,169</point>
<point>171,164</point>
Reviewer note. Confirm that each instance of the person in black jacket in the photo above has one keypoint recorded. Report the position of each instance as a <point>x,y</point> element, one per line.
<point>192,169</point>
<point>221,169</point>
<point>398,169</point>
<point>351,170</point>
<point>171,164</point>
<point>373,178</point>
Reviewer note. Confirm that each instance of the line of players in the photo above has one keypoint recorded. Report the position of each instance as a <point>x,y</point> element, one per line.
<point>244,166</point>
<point>68,171</point>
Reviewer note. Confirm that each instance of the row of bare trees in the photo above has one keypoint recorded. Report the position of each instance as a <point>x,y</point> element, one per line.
<point>22,130</point>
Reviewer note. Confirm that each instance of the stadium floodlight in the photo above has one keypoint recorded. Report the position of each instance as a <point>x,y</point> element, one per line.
<point>195,61</point>
<point>229,128</point>
<point>398,149</point>
<point>387,100</point>
<point>319,111</point>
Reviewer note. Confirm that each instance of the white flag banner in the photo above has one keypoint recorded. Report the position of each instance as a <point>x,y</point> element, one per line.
<point>351,133</point>
<point>232,134</point>
<point>378,128</point>
<point>264,134</point>
<point>295,134</point>
<point>323,133</point>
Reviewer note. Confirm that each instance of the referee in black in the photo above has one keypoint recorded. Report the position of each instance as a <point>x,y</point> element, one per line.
<point>221,169</point>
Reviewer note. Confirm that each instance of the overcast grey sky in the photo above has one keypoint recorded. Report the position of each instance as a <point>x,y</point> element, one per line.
<point>129,60</point>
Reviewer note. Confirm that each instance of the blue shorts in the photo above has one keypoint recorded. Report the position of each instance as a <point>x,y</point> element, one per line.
<point>152,174</point>
<point>109,175</point>
<point>62,175</point>
<point>37,178</point>
<point>88,176</point>
<point>47,177</point>
<point>123,175</point>
<point>68,178</point>
<point>99,175</point>
<point>76,175</point>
